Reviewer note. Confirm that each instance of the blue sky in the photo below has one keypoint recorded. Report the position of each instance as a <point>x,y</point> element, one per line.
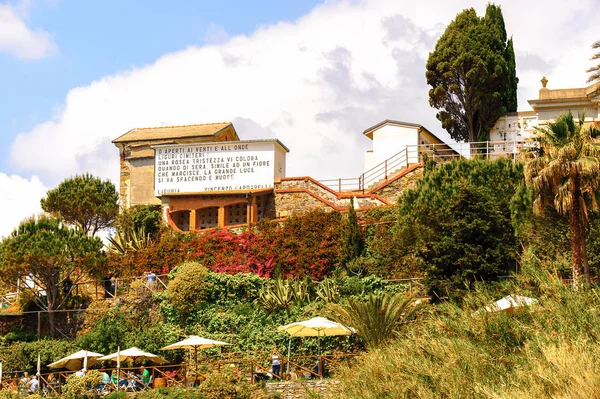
<point>75,74</point>
<point>97,38</point>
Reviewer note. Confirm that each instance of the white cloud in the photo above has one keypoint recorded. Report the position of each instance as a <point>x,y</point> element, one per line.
<point>20,199</point>
<point>315,83</point>
<point>215,34</point>
<point>17,39</point>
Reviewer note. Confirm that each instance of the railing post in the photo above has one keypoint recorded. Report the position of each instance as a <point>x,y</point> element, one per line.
<point>406,154</point>
<point>362,183</point>
<point>340,185</point>
<point>487,149</point>
<point>385,172</point>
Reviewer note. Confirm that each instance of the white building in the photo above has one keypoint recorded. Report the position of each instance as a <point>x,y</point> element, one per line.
<point>519,126</point>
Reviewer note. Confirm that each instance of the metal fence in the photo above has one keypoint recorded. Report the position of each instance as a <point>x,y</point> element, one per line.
<point>416,154</point>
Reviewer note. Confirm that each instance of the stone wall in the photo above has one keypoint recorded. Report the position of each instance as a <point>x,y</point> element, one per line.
<point>302,194</point>
<point>326,389</point>
<point>392,191</point>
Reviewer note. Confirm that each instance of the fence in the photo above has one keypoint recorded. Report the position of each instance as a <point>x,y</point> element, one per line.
<point>187,375</point>
<point>416,154</point>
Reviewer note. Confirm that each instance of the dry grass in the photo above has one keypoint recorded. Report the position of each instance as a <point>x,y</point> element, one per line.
<point>547,351</point>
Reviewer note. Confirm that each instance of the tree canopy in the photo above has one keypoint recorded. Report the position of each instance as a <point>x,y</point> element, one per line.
<point>84,201</point>
<point>51,255</point>
<point>472,74</point>
<point>457,223</point>
<point>564,173</point>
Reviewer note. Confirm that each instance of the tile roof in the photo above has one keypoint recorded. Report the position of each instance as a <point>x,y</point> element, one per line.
<point>168,132</point>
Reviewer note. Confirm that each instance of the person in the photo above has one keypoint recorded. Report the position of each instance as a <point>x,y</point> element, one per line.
<point>80,373</point>
<point>144,378</point>
<point>52,383</point>
<point>25,379</point>
<point>33,384</point>
<point>119,383</point>
<point>276,363</point>
<point>150,277</point>
<point>105,381</point>
<point>109,287</point>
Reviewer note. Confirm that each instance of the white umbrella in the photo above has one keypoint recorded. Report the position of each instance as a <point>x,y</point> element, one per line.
<point>39,364</point>
<point>194,342</point>
<point>76,360</point>
<point>315,327</point>
<point>133,354</point>
<point>509,302</point>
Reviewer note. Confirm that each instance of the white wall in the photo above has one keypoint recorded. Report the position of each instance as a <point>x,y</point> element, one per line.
<point>280,154</point>
<point>388,141</point>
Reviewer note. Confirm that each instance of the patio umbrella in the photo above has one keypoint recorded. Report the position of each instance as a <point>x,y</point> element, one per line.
<point>133,355</point>
<point>194,342</point>
<point>76,360</point>
<point>315,327</point>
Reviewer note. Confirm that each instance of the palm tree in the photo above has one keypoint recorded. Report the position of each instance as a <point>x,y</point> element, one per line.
<point>595,70</point>
<point>564,172</point>
<point>378,319</point>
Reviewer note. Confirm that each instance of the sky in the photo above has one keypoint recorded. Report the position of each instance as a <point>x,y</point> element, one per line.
<point>75,74</point>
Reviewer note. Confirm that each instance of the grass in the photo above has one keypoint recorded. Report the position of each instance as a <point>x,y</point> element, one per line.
<point>546,351</point>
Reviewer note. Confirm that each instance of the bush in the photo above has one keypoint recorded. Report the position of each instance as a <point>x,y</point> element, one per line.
<point>458,224</point>
<point>7,394</point>
<point>23,355</point>
<point>188,287</point>
<point>108,333</point>
<point>83,387</point>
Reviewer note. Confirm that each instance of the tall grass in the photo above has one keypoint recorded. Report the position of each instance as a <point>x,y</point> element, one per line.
<point>549,350</point>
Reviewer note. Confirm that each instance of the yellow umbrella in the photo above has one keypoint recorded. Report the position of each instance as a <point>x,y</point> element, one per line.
<point>76,360</point>
<point>133,354</point>
<point>194,342</point>
<point>315,327</point>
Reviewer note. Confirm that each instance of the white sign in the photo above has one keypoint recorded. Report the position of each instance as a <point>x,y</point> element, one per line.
<point>214,167</point>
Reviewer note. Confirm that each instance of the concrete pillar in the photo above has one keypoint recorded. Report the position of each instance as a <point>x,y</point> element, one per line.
<point>193,226</point>
<point>253,211</point>
<point>222,217</point>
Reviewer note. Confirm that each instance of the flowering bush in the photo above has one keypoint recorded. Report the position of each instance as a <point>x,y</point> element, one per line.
<point>305,245</point>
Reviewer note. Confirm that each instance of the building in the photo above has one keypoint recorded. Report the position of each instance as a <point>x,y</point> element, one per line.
<point>520,126</point>
<point>400,141</point>
<point>204,176</point>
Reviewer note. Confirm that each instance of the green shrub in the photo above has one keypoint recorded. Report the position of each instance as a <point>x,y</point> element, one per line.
<point>83,387</point>
<point>108,333</point>
<point>7,394</point>
<point>188,287</point>
<point>23,355</point>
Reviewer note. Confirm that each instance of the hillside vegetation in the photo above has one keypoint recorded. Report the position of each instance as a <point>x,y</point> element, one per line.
<point>548,350</point>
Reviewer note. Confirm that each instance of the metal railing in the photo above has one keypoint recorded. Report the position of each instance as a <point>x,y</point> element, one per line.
<point>415,154</point>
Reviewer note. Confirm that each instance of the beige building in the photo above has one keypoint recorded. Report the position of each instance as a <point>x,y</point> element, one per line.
<point>204,176</point>
<point>137,155</point>
<point>551,103</point>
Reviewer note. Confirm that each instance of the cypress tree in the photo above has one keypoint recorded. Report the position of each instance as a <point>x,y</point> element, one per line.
<point>472,74</point>
<point>354,242</point>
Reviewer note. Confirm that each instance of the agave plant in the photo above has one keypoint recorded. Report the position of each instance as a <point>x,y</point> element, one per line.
<point>301,289</point>
<point>277,296</point>
<point>328,291</point>
<point>378,319</point>
<point>129,240</point>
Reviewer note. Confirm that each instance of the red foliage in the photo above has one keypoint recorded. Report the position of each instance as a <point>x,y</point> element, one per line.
<point>306,245</point>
